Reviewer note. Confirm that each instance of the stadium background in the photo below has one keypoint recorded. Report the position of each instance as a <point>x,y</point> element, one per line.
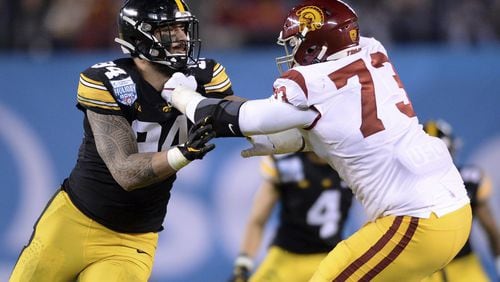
<point>446,54</point>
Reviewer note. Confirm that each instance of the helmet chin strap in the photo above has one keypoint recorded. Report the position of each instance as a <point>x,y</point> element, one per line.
<point>321,54</point>
<point>127,48</point>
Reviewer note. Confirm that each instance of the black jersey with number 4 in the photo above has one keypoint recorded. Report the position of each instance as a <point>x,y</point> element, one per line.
<point>117,88</point>
<point>314,205</point>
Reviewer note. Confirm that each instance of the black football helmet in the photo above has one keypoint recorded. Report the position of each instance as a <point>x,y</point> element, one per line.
<point>314,30</point>
<point>140,20</point>
<point>443,130</point>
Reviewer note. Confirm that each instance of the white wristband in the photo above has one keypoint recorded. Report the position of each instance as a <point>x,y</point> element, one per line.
<point>176,159</point>
<point>244,261</point>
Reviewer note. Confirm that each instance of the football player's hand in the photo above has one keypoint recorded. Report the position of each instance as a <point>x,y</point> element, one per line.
<point>196,146</point>
<point>288,141</point>
<point>243,266</point>
<point>240,274</point>
<point>260,146</point>
<point>177,79</point>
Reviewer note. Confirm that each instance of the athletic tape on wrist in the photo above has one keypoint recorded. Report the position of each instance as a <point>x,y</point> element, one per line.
<point>176,159</point>
<point>184,99</point>
<point>244,261</point>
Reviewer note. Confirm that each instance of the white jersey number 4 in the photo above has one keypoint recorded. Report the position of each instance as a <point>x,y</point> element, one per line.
<point>325,212</point>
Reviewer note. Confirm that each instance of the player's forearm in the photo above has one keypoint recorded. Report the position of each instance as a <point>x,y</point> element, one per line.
<point>142,169</point>
<point>139,170</point>
<point>263,205</point>
<point>494,238</point>
<point>252,240</point>
<point>267,116</point>
<point>485,216</point>
<point>117,147</point>
<point>237,118</point>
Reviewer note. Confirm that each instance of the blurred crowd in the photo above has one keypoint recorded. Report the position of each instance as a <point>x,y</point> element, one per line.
<point>81,25</point>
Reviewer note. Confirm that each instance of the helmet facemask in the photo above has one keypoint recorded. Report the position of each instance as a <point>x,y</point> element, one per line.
<point>291,45</point>
<point>175,50</point>
<point>160,42</point>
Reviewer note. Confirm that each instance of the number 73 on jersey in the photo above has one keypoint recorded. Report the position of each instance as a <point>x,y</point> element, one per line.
<point>370,123</point>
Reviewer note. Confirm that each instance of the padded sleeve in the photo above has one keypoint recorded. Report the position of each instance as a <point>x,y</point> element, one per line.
<point>266,116</point>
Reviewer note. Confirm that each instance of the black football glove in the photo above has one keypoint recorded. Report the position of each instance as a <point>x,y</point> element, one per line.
<point>240,274</point>
<point>196,146</point>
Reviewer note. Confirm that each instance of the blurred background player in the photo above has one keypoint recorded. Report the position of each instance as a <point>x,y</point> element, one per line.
<point>314,204</point>
<point>103,223</point>
<point>466,266</point>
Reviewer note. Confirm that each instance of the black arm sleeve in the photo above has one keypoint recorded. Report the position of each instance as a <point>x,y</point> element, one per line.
<point>225,115</point>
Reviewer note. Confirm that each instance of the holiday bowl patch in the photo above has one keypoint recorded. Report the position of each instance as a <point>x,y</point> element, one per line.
<point>124,91</point>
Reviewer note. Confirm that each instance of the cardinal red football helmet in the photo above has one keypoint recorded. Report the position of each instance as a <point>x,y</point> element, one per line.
<point>316,29</point>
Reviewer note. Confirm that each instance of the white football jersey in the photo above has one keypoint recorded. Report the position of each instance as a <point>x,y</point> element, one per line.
<point>367,130</point>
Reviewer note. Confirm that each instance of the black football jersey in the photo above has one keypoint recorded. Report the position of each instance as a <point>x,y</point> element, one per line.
<point>314,205</point>
<point>117,88</point>
<point>473,177</point>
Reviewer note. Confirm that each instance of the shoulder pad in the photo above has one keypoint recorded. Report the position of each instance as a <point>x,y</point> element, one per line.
<point>104,86</point>
<point>471,174</point>
<point>290,168</point>
<point>106,71</point>
<point>212,78</point>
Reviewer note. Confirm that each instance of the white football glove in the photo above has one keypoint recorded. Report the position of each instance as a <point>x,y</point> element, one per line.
<point>288,141</point>
<point>261,146</point>
<point>177,79</point>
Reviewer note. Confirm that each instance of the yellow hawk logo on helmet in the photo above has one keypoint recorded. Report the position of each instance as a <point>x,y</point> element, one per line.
<point>353,34</point>
<point>311,17</point>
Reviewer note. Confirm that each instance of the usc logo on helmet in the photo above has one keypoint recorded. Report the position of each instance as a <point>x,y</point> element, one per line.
<point>310,17</point>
